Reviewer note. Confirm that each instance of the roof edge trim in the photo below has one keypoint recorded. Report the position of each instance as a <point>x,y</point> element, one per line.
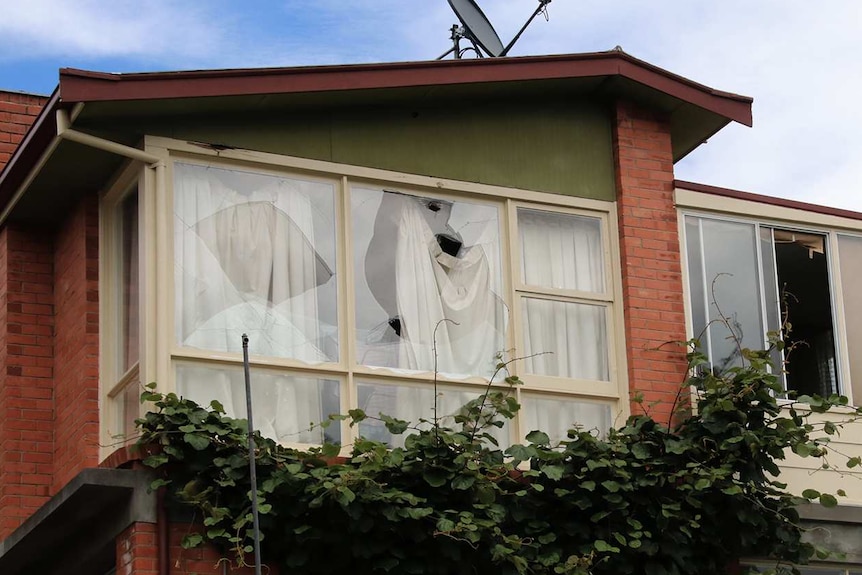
<point>84,86</point>
<point>769,200</point>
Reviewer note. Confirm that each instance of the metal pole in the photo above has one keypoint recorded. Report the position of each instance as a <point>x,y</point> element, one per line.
<point>542,4</point>
<point>251,456</point>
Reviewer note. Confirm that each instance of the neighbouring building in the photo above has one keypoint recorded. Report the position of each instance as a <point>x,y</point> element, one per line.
<point>336,214</point>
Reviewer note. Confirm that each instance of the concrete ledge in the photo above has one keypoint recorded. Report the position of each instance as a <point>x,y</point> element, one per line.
<point>75,531</point>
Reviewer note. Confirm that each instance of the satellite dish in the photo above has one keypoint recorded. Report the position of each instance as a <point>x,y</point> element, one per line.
<point>476,28</point>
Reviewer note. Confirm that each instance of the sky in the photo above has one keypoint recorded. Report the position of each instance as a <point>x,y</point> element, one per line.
<point>800,60</point>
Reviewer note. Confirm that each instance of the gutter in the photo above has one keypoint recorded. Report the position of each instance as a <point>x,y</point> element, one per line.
<point>157,164</point>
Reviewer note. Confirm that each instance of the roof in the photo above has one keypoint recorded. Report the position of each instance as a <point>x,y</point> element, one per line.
<point>696,111</point>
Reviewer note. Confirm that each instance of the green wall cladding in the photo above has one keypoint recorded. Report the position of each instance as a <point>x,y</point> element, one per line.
<point>557,147</point>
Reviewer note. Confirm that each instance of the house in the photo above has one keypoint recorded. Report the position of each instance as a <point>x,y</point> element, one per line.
<point>336,214</point>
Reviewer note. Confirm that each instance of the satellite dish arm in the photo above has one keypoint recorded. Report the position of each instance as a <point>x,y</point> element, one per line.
<point>539,10</point>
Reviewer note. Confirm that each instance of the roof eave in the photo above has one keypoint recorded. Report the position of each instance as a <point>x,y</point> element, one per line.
<point>84,86</point>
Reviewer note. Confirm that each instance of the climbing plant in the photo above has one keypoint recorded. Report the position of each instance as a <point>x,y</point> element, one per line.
<point>655,498</point>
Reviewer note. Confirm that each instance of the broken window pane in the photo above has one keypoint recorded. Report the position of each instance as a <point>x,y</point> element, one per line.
<point>424,264</point>
<point>256,254</point>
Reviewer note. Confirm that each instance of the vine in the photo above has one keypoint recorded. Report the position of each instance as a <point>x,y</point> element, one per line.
<point>691,497</point>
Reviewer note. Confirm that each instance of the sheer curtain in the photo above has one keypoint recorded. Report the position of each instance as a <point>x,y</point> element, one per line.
<point>559,251</point>
<point>434,286</point>
<point>246,263</point>
<point>423,264</point>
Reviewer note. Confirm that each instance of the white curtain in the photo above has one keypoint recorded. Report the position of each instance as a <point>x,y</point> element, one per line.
<point>246,263</point>
<point>563,252</point>
<point>555,416</point>
<point>433,286</point>
<point>286,409</point>
<point>412,404</point>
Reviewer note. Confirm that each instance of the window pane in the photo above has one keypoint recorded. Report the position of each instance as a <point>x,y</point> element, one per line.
<point>565,339</point>
<point>422,264</point>
<point>255,254</point>
<point>129,288</point>
<point>412,403</point>
<point>850,254</point>
<point>732,286</point>
<point>287,408</point>
<point>561,251</point>
<point>556,415</point>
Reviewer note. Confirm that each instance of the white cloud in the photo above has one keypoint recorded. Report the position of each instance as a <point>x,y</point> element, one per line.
<point>154,30</point>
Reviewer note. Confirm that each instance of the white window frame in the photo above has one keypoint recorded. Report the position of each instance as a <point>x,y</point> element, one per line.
<point>700,204</point>
<point>161,351</point>
<point>113,379</point>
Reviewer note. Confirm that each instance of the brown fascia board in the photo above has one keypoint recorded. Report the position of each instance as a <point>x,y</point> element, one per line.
<point>769,200</point>
<point>84,86</point>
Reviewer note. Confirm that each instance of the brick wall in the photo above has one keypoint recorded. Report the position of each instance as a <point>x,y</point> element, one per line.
<point>650,250</point>
<point>26,373</point>
<point>49,386</point>
<point>76,345</point>
<point>17,112</point>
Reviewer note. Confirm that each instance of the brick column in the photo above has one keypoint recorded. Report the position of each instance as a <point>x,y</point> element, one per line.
<point>76,356</point>
<point>26,372</point>
<point>650,250</point>
<point>138,551</point>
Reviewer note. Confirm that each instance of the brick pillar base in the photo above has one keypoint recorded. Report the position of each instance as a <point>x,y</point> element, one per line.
<point>650,250</point>
<point>204,560</point>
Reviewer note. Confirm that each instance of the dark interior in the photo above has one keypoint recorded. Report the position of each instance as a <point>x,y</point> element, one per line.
<point>803,281</point>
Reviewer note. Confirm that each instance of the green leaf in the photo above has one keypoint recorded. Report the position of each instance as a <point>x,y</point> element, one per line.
<point>345,496</point>
<point>463,482</point>
<point>538,438</point>
<point>435,477</point>
<point>192,540</point>
<point>198,442</point>
<point>356,416</point>
<point>603,546</point>
<point>553,472</point>
<point>330,450</point>
<point>810,494</point>
<point>640,451</point>
<point>828,500</point>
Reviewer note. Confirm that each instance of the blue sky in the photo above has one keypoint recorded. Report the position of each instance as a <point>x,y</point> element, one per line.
<point>800,60</point>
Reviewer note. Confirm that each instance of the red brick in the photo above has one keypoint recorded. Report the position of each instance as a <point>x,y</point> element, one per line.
<point>649,246</point>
